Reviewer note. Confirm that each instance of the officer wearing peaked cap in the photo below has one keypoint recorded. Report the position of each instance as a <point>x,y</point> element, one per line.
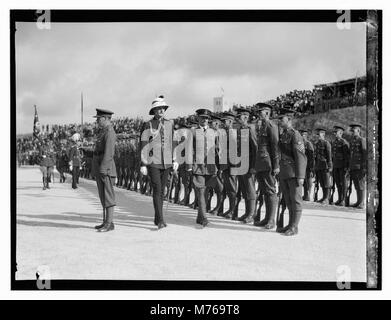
<point>340,153</point>
<point>205,161</point>
<point>217,185</point>
<point>157,154</point>
<point>310,170</point>
<point>267,163</point>
<point>103,167</point>
<point>247,179</point>
<point>229,178</point>
<point>292,172</point>
<point>323,163</point>
<point>357,165</point>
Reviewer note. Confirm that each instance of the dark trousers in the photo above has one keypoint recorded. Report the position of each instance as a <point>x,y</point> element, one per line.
<point>358,178</point>
<point>106,190</point>
<point>247,186</point>
<point>159,179</point>
<point>323,177</point>
<point>200,184</point>
<point>292,193</point>
<point>75,176</point>
<point>230,184</point>
<point>340,181</point>
<point>267,182</point>
<point>307,185</point>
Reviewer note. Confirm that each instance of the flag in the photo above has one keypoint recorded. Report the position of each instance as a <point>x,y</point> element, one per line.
<point>36,127</point>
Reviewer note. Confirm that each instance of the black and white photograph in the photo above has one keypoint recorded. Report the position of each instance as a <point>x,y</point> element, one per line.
<point>218,149</point>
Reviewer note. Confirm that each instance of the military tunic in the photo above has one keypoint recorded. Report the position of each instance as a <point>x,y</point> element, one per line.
<point>340,154</point>
<point>103,166</point>
<point>323,162</point>
<point>357,164</point>
<point>292,167</point>
<point>310,170</point>
<point>157,154</point>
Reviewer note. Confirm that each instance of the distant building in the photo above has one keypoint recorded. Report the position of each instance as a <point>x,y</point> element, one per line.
<point>220,104</point>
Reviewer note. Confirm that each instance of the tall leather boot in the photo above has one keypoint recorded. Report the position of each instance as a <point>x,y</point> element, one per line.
<point>326,196</point>
<point>360,197</point>
<point>284,229</point>
<point>271,222</point>
<point>109,225</point>
<point>248,217</point>
<point>44,183</point>
<point>220,210</point>
<point>236,209</point>
<point>218,204</point>
<point>185,201</point>
<point>294,229</point>
<point>47,183</point>
<point>265,220</point>
<point>104,220</point>
<point>228,214</point>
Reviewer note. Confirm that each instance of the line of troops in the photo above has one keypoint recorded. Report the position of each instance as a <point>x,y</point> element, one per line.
<point>278,153</point>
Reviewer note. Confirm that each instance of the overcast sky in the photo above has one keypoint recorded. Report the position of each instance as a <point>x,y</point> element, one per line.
<point>123,66</point>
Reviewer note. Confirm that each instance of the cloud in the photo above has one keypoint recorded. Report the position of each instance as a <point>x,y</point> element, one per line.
<point>123,66</point>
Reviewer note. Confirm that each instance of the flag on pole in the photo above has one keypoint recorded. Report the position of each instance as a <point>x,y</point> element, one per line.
<point>37,126</point>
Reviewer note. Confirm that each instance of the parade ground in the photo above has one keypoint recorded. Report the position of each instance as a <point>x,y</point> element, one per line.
<point>55,228</point>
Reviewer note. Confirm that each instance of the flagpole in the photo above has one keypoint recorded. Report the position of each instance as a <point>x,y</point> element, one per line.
<point>82,109</point>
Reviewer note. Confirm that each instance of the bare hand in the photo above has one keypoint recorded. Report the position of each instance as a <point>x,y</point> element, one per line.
<point>175,165</point>
<point>276,171</point>
<point>300,182</point>
<point>144,170</point>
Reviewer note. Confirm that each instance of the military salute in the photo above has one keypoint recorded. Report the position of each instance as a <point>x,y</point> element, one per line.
<point>103,167</point>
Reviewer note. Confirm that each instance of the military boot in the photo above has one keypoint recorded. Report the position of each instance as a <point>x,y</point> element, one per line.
<point>47,183</point>
<point>108,225</point>
<point>280,227</point>
<point>220,210</point>
<point>264,221</point>
<point>236,210</point>
<point>216,210</point>
<point>104,220</point>
<point>326,196</point>
<point>250,212</point>
<point>44,183</point>
<point>294,228</point>
<point>360,197</point>
<point>271,221</point>
<point>228,214</point>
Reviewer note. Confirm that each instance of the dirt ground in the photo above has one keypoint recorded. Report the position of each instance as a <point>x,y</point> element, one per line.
<point>55,229</point>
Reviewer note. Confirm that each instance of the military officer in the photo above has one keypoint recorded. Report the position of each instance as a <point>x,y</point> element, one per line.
<point>292,172</point>
<point>267,164</point>
<point>47,164</point>
<point>159,160</point>
<point>247,180</point>
<point>216,185</point>
<point>357,165</point>
<point>103,167</point>
<point>205,162</point>
<point>62,163</point>
<point>75,155</point>
<point>229,176</point>
<point>341,154</point>
<point>323,164</point>
<point>310,170</point>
